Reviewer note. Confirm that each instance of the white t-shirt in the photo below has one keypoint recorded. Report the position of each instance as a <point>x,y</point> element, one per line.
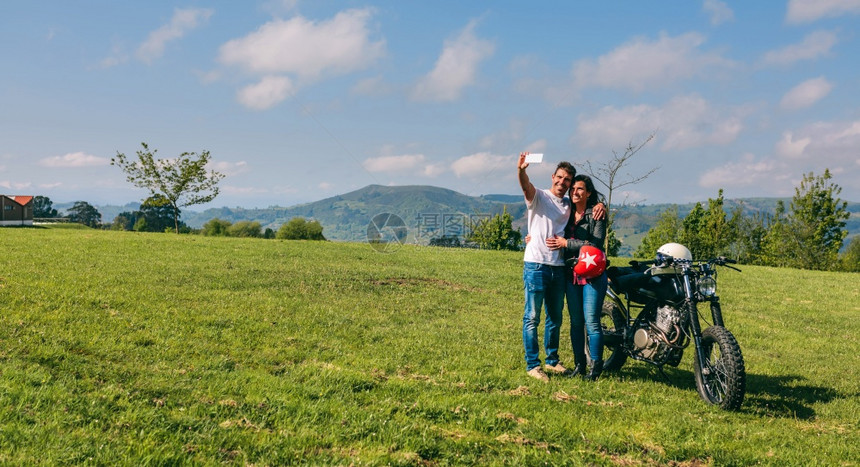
<point>548,216</point>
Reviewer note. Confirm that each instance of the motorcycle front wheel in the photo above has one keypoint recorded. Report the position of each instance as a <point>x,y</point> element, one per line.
<point>721,377</point>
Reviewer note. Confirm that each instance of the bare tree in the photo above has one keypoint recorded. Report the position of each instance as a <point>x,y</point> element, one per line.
<point>608,175</point>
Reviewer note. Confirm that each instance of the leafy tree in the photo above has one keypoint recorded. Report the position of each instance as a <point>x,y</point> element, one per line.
<point>43,207</point>
<point>140,225</point>
<point>300,229</point>
<point>811,235</point>
<point>450,241</point>
<point>692,226</point>
<point>314,230</point>
<point>496,233</point>
<point>613,244</point>
<point>749,237</point>
<point>707,233</point>
<point>215,228</point>
<point>268,233</point>
<point>669,228</point>
<point>779,244</point>
<point>245,229</point>
<point>84,213</point>
<point>818,219</point>
<point>850,259</point>
<point>718,231</point>
<point>183,181</point>
<point>159,214</point>
<point>124,221</point>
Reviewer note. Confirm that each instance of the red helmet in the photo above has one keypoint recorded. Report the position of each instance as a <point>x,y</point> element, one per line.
<point>591,262</point>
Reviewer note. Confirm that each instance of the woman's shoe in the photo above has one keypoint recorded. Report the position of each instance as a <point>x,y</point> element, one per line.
<point>580,367</point>
<point>596,369</point>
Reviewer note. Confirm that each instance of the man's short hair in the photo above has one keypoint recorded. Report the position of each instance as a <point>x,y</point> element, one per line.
<point>567,167</point>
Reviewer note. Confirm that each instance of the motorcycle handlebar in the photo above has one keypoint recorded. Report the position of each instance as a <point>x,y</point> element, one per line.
<point>666,260</point>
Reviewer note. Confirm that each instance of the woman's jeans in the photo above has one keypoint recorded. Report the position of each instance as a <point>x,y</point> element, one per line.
<point>585,305</point>
<point>543,285</point>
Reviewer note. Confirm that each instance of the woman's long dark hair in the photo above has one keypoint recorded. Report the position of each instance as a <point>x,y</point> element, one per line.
<point>594,196</point>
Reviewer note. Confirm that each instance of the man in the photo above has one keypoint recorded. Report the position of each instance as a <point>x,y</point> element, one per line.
<point>543,268</point>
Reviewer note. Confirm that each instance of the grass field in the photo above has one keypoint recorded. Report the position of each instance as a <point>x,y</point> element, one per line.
<point>135,349</point>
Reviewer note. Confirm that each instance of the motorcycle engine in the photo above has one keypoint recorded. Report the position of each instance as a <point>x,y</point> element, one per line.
<point>654,339</point>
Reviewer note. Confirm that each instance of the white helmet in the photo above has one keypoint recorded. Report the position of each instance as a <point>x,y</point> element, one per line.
<point>675,250</point>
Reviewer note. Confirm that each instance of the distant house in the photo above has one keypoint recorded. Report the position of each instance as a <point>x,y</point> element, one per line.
<point>16,210</point>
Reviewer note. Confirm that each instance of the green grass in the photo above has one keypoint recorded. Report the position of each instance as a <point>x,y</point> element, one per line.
<point>127,348</point>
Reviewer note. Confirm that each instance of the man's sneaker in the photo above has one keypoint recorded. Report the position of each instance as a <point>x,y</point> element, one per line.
<point>558,369</point>
<point>537,373</point>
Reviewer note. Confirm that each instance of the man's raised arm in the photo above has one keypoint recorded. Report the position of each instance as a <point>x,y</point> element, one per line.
<point>525,183</point>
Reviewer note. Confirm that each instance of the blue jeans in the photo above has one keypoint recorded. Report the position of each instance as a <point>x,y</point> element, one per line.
<point>585,305</point>
<point>543,285</point>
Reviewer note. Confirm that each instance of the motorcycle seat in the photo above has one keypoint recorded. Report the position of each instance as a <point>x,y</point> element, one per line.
<point>630,281</point>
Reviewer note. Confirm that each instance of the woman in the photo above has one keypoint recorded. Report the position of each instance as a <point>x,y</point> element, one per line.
<point>584,296</point>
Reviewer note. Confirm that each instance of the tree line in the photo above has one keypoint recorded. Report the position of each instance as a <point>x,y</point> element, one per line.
<point>807,234</point>
<point>157,215</point>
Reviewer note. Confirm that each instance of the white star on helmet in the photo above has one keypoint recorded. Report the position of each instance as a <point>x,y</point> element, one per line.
<point>588,259</point>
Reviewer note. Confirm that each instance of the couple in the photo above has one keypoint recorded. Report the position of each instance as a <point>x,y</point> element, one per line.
<point>555,232</point>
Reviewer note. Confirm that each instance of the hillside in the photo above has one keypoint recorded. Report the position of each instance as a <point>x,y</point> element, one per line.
<point>430,212</point>
<point>424,209</point>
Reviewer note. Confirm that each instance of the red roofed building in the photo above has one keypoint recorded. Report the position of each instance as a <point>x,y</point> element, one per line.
<point>16,210</point>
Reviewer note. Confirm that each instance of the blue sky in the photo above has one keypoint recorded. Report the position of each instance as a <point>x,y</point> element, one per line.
<point>300,100</point>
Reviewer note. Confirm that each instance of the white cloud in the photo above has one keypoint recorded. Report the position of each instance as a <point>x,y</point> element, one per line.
<point>306,48</point>
<point>814,45</point>
<point>243,190</point>
<point>116,57</point>
<point>278,7</point>
<point>684,122</point>
<point>806,94</point>
<point>270,91</point>
<point>434,170</point>
<point>746,172</point>
<point>506,137</point>
<point>183,20</point>
<point>208,77</point>
<point>456,68</point>
<point>75,159</point>
<point>229,168</point>
<point>482,163</point>
<point>375,86</point>
<point>830,144</point>
<point>642,64</point>
<point>15,185</point>
<point>537,146</point>
<point>393,163</point>
<point>804,11</point>
<point>791,147</point>
<point>718,11</point>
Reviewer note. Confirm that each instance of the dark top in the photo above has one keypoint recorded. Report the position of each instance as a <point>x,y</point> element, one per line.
<point>588,231</point>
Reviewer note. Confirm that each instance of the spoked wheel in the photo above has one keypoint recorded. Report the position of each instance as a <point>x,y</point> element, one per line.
<point>612,321</point>
<point>721,378</point>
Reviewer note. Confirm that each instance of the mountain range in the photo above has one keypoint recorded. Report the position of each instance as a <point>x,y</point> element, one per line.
<point>429,212</point>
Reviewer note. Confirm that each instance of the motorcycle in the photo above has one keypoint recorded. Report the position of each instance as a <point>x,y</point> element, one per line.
<point>659,318</point>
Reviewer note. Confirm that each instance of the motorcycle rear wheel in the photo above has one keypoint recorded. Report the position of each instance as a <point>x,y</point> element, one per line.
<point>612,321</point>
<point>721,378</point>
